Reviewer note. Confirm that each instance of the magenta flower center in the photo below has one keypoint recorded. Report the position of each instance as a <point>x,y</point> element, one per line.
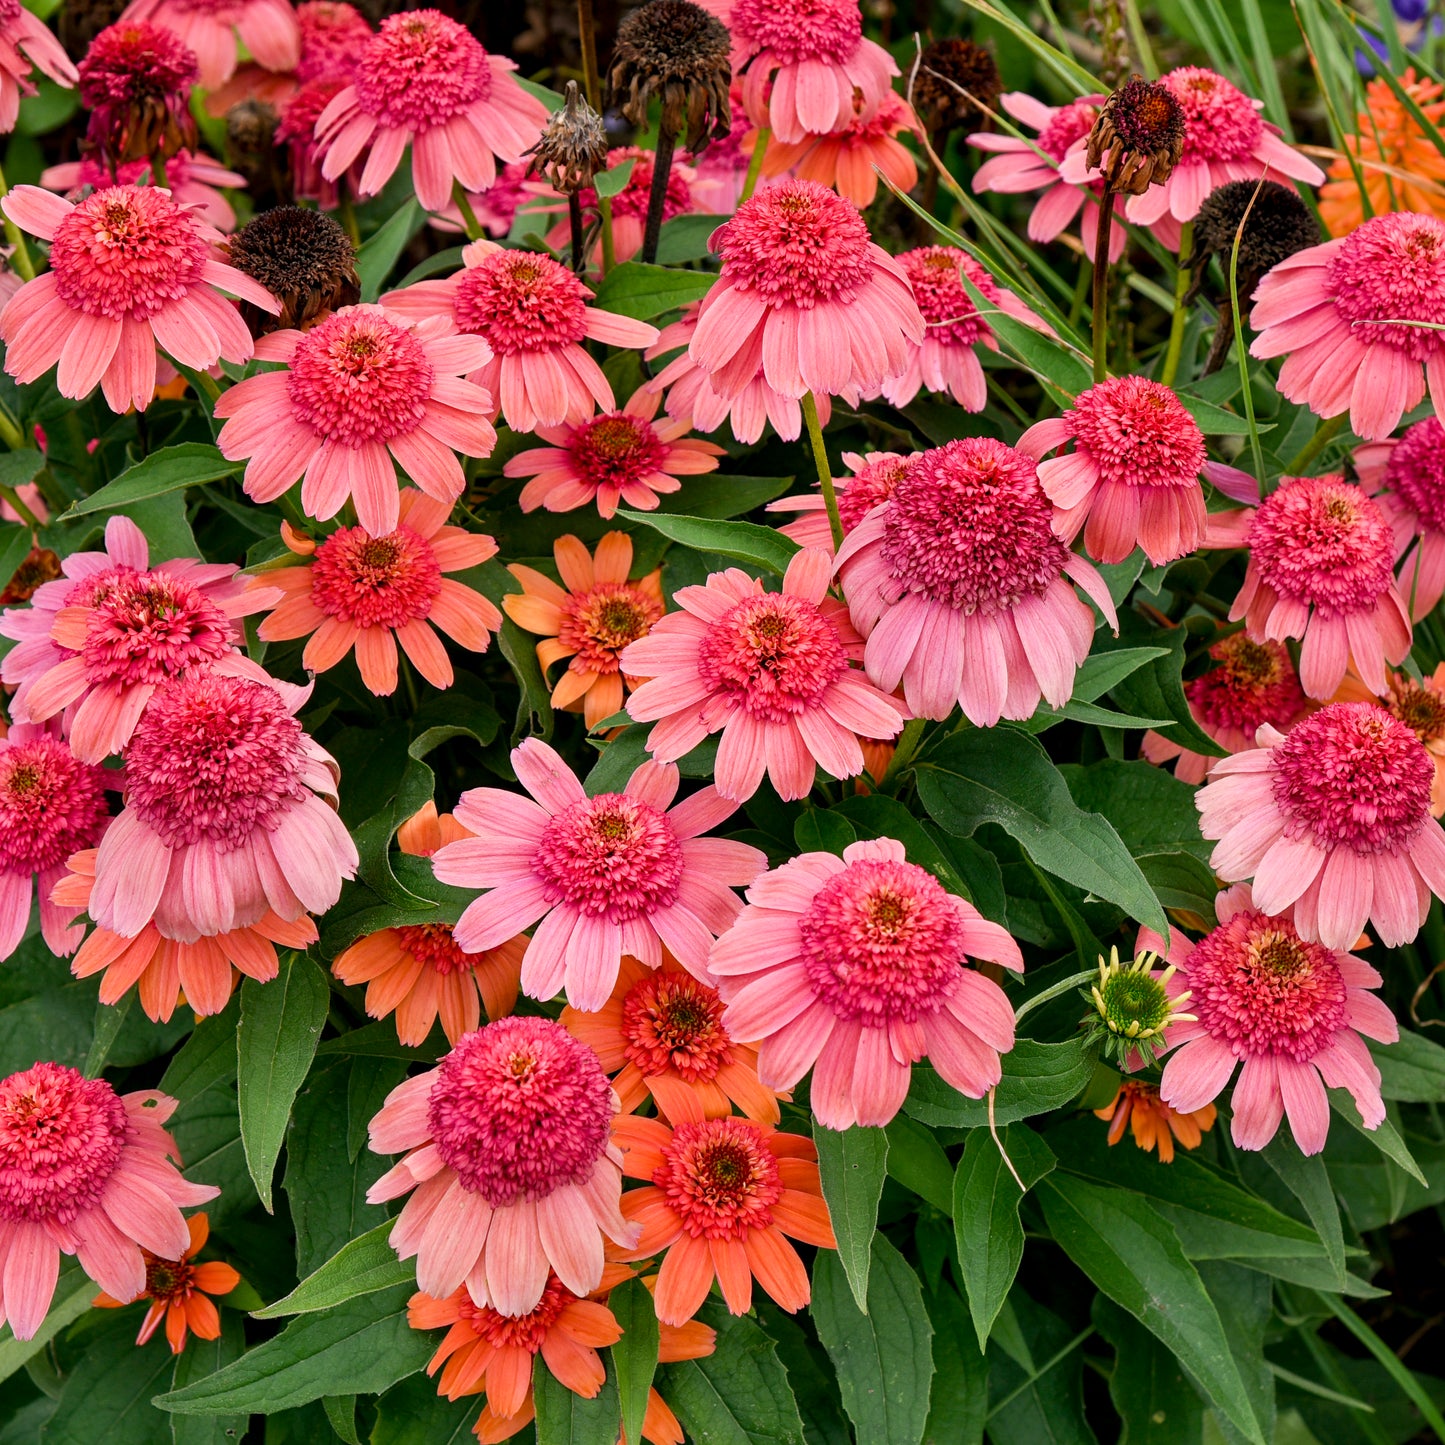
<point>333,37</point>
<point>969,526</point>
<point>149,627</point>
<point>1415,473</point>
<point>1252,683</point>
<point>720,1178</point>
<point>612,855</point>
<point>133,62</point>
<point>420,70</point>
<point>794,30</point>
<point>359,377</point>
<point>1391,269</point>
<point>1220,123</point>
<point>1322,542</point>
<point>61,1137</point>
<point>1258,987</point>
<point>214,759</point>
<point>1137,433</point>
<point>521,301</point>
<point>519,1109</point>
<point>433,946</point>
<point>947,307</point>
<point>616,450</point>
<point>526,1332</point>
<point>1069,123</point>
<point>375,581</point>
<point>796,244</point>
<point>774,655</point>
<point>881,941</point>
<point>51,805</point>
<point>1351,775</point>
<point>873,483</point>
<point>127,251</point>
<point>671,1023</point>
<point>600,622</point>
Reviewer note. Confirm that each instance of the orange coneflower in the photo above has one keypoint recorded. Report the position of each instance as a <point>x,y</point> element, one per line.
<point>1155,1124</point>
<point>590,618</point>
<point>178,1291</point>
<point>1401,168</point>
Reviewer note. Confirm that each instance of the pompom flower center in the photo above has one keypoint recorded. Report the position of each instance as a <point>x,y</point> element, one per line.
<point>673,1023</point>
<point>600,622</point>
<point>127,251</point>
<point>612,855</point>
<point>526,1332</point>
<point>61,1137</point>
<point>375,581</point>
<point>1253,683</point>
<point>433,946</point>
<point>616,450</point>
<point>881,941</point>
<point>214,758</point>
<point>1351,774</point>
<point>1137,433</point>
<point>1068,124</point>
<point>1220,123</point>
<point>521,301</point>
<point>720,1178</point>
<point>873,483</point>
<point>519,1109</point>
<point>150,627</point>
<point>797,244</point>
<point>1390,272</point>
<point>1260,988</point>
<point>1322,542</point>
<point>969,526</point>
<point>51,805</point>
<point>135,62</point>
<point>774,655</point>
<point>937,275</point>
<point>359,377</point>
<point>1416,473</point>
<point>794,30</point>
<point>420,70</point>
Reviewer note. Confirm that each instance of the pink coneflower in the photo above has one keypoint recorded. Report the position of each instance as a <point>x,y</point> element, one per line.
<point>857,967</point>
<point>533,314</point>
<point>1407,477</point>
<point>946,359</point>
<point>813,53</point>
<point>370,593</point>
<point>1320,556</point>
<point>619,457</point>
<point>771,671</point>
<point>97,644</point>
<point>361,389</point>
<point>211,27</point>
<point>423,81</point>
<point>1019,166</point>
<point>194,180</point>
<point>1251,683</point>
<point>690,394</point>
<point>51,805</point>
<point>222,821</point>
<point>612,874</point>
<point>1292,1010</point>
<point>872,483</point>
<point>1341,313</point>
<point>334,36</point>
<point>1334,819</point>
<point>130,270</point>
<point>989,621</point>
<point>1224,140</point>
<point>805,295</point>
<point>844,160</point>
<point>296,130</point>
<point>496,207</point>
<point>1133,475</point>
<point>25,41</point>
<point>136,81</point>
<point>508,1147</point>
<point>88,1172</point>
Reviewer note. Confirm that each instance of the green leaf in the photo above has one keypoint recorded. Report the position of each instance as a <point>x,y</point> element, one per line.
<point>1157,688</point>
<point>1412,1070</point>
<point>1309,1181</point>
<point>883,1359</point>
<point>986,1216</point>
<point>107,1396</point>
<point>853,1164</point>
<point>1215,421</point>
<point>1149,808</point>
<point>171,469</point>
<point>876,816</point>
<point>810,1375</point>
<point>565,1418</point>
<point>1102,670</point>
<point>1036,1078</point>
<point>383,248</point>
<point>958,1401</point>
<point>634,1356</point>
<point>1151,1393</point>
<point>1386,1138</point>
<point>1000,775</point>
<point>275,1043</point>
<point>917,1161</point>
<point>820,830</point>
<point>721,494</point>
<point>361,1347</point>
<point>19,467</point>
<point>412,1413</point>
<point>208,1057</point>
<point>758,546</point>
<point>641,291</point>
<point>74,1291</point>
<point>363,1266</point>
<point>610,182</point>
<point>1134,1257</point>
<point>1181,881</point>
<point>341,1412</point>
<point>1092,715</point>
<point>685,238</point>
<point>14,549</point>
<point>199,1359</point>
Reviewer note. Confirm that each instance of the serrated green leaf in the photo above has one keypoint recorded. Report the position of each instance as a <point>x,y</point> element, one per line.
<point>171,469</point>
<point>853,1164</point>
<point>362,1266</point>
<point>641,291</point>
<point>634,1356</point>
<point>746,541</point>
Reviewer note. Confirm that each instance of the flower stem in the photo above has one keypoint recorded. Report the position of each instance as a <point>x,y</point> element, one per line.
<point>904,751</point>
<point>20,260</point>
<point>1325,433</point>
<point>825,472</point>
<point>755,165</point>
<point>609,246</point>
<point>1101,286</point>
<point>10,432</point>
<point>1181,314</point>
<point>158,173</point>
<point>470,224</point>
<point>574,215</point>
<point>12,496</point>
<point>1074,980</point>
<point>657,195</point>
<point>587,35</point>
<point>348,216</point>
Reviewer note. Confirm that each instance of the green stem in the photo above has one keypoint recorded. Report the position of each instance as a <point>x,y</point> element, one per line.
<point>1402,1377</point>
<point>755,165</point>
<point>1241,346</point>
<point>825,472</point>
<point>470,224</point>
<point>348,216</point>
<point>904,751</point>
<point>1325,433</point>
<point>609,247</point>
<point>158,174</point>
<point>10,431</point>
<point>1101,286</point>
<point>20,261</point>
<point>21,510</point>
<point>1181,313</point>
<point>209,385</point>
<point>1074,980</point>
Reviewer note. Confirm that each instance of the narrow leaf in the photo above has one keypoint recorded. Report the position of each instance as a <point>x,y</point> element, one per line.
<point>853,1164</point>
<point>748,542</point>
<point>364,1266</point>
<point>634,1356</point>
<point>189,464</point>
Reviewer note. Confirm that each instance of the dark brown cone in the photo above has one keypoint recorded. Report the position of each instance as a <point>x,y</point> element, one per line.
<point>1138,138</point>
<point>675,51</point>
<point>947,69</point>
<point>303,259</point>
